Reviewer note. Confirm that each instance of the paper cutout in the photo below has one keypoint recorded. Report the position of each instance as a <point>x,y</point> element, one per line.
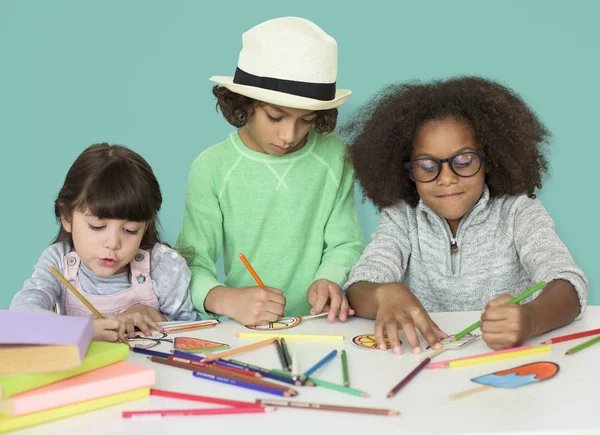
<point>449,342</point>
<point>148,342</point>
<point>367,341</point>
<point>519,376</point>
<point>282,323</point>
<point>189,344</point>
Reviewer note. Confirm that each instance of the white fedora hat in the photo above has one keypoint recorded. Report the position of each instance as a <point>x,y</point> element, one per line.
<point>288,62</point>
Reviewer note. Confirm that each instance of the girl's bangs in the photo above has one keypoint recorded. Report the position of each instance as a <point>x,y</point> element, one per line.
<point>116,195</point>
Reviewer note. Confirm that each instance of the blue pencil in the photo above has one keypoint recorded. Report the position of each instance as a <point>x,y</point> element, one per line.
<point>188,355</point>
<point>151,352</point>
<point>318,365</point>
<point>242,384</point>
<point>263,371</point>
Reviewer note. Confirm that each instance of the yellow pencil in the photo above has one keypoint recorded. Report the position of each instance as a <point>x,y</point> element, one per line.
<point>307,337</point>
<point>83,300</point>
<point>498,357</point>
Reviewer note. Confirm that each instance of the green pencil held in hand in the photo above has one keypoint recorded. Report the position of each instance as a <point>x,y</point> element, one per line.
<point>515,300</point>
<point>582,346</point>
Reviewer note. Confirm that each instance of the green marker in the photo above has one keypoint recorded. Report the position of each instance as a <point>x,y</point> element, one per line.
<point>515,300</point>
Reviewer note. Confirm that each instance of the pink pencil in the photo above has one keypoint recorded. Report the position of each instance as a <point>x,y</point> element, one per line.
<point>444,364</point>
<point>184,412</point>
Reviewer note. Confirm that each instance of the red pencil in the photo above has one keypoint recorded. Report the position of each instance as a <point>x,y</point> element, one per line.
<point>208,411</point>
<point>205,399</point>
<point>571,336</point>
<point>408,377</point>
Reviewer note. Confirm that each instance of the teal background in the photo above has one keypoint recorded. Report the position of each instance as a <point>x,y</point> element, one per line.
<point>73,73</point>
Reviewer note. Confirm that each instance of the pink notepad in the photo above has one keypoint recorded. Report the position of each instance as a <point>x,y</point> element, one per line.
<point>42,342</point>
<point>106,381</point>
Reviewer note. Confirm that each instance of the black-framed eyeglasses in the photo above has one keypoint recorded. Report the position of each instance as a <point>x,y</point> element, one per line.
<point>428,169</point>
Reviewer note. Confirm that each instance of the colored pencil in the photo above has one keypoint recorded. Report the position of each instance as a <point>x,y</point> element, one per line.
<point>314,316</point>
<point>295,366</point>
<point>345,369</point>
<point>307,337</point>
<point>485,358</point>
<point>227,368</point>
<point>180,329</point>
<point>252,271</point>
<point>318,365</point>
<point>284,364</point>
<point>469,392</point>
<point>247,348</point>
<point>329,385</point>
<point>266,373</point>
<point>515,300</point>
<point>325,407</point>
<point>204,399</point>
<point>191,412</point>
<point>83,300</point>
<point>242,384</point>
<point>571,336</point>
<point>582,346</point>
<point>263,371</point>
<point>445,364</point>
<point>286,353</point>
<point>216,371</point>
<point>150,352</point>
<point>408,377</point>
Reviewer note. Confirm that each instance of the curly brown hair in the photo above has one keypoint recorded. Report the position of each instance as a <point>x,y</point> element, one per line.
<point>381,135</point>
<point>237,108</point>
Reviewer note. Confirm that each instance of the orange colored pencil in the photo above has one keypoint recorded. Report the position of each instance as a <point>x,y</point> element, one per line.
<point>176,330</point>
<point>251,270</point>
<point>257,345</point>
<point>79,296</point>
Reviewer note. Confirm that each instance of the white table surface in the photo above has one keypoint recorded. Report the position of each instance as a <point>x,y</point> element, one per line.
<point>567,403</point>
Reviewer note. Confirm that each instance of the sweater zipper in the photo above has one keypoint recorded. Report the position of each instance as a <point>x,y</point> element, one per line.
<point>453,245</point>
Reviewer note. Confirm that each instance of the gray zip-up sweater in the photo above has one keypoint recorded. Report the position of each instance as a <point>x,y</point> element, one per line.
<point>505,245</point>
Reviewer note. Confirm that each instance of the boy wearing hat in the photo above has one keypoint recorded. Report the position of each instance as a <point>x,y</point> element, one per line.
<point>279,188</point>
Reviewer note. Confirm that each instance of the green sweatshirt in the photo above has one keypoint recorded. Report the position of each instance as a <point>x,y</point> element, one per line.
<point>293,216</point>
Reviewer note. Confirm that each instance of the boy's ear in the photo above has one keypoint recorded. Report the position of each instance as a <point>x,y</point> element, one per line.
<point>66,224</point>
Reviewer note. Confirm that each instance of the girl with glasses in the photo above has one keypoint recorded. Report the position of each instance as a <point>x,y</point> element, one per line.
<point>453,166</point>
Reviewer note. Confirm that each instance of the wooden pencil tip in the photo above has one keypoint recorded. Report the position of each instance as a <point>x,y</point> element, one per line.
<point>546,342</point>
<point>363,394</point>
<point>392,412</point>
<point>346,384</point>
<point>390,394</point>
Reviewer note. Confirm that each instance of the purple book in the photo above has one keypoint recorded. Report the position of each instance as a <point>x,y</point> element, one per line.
<point>42,342</point>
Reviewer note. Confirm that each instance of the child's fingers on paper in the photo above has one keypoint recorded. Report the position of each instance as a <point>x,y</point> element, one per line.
<point>393,337</point>
<point>322,296</point>
<point>146,324</point>
<point>495,341</point>
<point>437,330</point>
<point>335,303</point>
<point>379,335</point>
<point>344,309</point>
<point>411,334</point>
<point>427,332</point>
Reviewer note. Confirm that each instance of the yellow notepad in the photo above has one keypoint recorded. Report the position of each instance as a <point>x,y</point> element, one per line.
<point>14,423</point>
<point>99,354</point>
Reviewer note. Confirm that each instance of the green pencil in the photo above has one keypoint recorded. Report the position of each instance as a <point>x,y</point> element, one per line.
<point>324,384</point>
<point>515,300</point>
<point>582,346</point>
<point>345,369</point>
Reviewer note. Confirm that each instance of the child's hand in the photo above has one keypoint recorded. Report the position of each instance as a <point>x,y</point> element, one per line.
<point>255,306</point>
<point>398,309</point>
<point>323,291</point>
<point>106,329</point>
<point>142,316</point>
<point>504,325</point>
